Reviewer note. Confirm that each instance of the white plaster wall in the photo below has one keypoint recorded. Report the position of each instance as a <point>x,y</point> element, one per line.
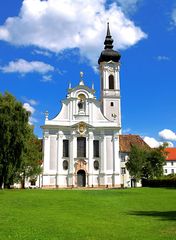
<point>53,153</point>
<point>109,153</point>
<point>169,167</point>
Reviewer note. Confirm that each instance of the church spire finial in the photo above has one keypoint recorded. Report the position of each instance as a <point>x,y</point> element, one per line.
<point>108,40</point>
<point>81,78</point>
<point>108,30</point>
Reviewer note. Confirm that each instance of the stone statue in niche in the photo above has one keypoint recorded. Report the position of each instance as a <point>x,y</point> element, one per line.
<point>81,105</point>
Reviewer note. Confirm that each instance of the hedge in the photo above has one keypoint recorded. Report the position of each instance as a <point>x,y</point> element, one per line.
<point>159,182</point>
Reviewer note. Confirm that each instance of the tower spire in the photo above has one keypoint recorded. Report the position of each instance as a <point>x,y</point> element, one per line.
<point>108,30</point>
<point>108,40</point>
<point>109,54</point>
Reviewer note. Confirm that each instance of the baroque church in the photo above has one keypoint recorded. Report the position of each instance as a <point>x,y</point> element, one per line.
<point>83,145</point>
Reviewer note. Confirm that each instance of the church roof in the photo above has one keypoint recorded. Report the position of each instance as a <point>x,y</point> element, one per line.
<point>108,54</point>
<point>171,154</point>
<point>126,141</point>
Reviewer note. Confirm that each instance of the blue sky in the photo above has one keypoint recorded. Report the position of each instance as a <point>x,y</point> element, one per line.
<point>45,44</point>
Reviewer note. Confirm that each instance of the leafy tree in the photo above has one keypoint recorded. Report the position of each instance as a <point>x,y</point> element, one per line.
<point>155,159</point>
<point>137,158</point>
<point>31,159</point>
<point>20,150</point>
<point>13,130</point>
<point>146,163</point>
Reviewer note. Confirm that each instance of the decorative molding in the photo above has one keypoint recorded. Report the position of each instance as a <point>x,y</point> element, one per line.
<point>82,128</point>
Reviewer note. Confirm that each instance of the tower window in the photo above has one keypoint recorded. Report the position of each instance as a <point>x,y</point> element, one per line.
<point>111,82</point>
<point>112,104</point>
<point>65,148</point>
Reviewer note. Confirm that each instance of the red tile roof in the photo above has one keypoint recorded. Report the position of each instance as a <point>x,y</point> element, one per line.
<point>126,141</point>
<point>171,154</point>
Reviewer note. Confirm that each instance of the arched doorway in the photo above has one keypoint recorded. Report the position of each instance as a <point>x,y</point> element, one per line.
<point>81,178</point>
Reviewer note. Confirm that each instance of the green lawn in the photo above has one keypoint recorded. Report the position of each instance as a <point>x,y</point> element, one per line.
<point>133,214</point>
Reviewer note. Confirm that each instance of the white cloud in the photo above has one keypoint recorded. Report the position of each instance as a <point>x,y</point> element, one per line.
<point>22,66</point>
<point>57,25</point>
<point>173,16</point>
<point>167,134</point>
<point>32,120</point>
<point>170,144</point>
<point>127,130</point>
<point>30,101</point>
<point>152,142</point>
<point>129,5</point>
<point>47,78</point>
<point>29,108</point>
<point>162,58</point>
<point>41,52</point>
<point>32,110</point>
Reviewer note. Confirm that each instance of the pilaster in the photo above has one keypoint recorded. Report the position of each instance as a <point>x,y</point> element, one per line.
<point>59,156</point>
<point>116,160</point>
<point>90,158</point>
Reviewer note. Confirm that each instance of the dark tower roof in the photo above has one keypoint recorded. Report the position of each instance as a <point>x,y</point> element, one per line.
<point>108,53</point>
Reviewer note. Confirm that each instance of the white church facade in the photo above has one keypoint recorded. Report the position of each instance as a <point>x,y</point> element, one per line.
<point>81,144</point>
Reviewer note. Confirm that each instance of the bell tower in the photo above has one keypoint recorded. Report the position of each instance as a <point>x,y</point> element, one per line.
<point>109,66</point>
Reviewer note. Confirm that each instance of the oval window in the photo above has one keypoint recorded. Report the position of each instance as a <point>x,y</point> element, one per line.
<point>96,165</point>
<point>65,165</point>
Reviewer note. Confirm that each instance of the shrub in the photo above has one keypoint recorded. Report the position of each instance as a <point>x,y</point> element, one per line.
<point>165,182</point>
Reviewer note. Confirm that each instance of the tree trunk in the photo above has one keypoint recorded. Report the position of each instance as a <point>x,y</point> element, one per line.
<point>23,181</point>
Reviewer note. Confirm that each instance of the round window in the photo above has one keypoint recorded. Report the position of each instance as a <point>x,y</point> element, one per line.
<point>96,165</point>
<point>65,164</point>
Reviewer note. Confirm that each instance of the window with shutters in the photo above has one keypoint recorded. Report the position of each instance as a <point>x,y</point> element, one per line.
<point>96,148</point>
<point>81,147</point>
<point>65,148</point>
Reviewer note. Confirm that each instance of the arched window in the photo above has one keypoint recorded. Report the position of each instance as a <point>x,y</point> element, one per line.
<point>111,82</point>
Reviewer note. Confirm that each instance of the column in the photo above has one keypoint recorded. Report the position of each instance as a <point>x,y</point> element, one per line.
<point>116,160</point>
<point>46,160</point>
<point>73,153</point>
<point>59,181</point>
<point>90,159</point>
<point>102,180</point>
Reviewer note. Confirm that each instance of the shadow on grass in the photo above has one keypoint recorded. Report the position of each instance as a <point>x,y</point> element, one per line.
<point>168,215</point>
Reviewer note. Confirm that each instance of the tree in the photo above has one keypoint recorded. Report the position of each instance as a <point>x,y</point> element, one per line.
<point>13,131</point>
<point>136,161</point>
<point>20,150</point>
<point>147,163</point>
<point>31,159</point>
<point>155,159</point>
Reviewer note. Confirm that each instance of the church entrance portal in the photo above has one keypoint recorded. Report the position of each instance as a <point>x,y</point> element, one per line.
<point>81,178</point>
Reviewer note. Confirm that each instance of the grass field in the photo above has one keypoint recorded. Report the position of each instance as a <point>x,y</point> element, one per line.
<point>88,214</point>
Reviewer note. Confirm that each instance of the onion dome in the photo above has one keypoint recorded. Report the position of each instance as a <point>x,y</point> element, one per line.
<point>108,54</point>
